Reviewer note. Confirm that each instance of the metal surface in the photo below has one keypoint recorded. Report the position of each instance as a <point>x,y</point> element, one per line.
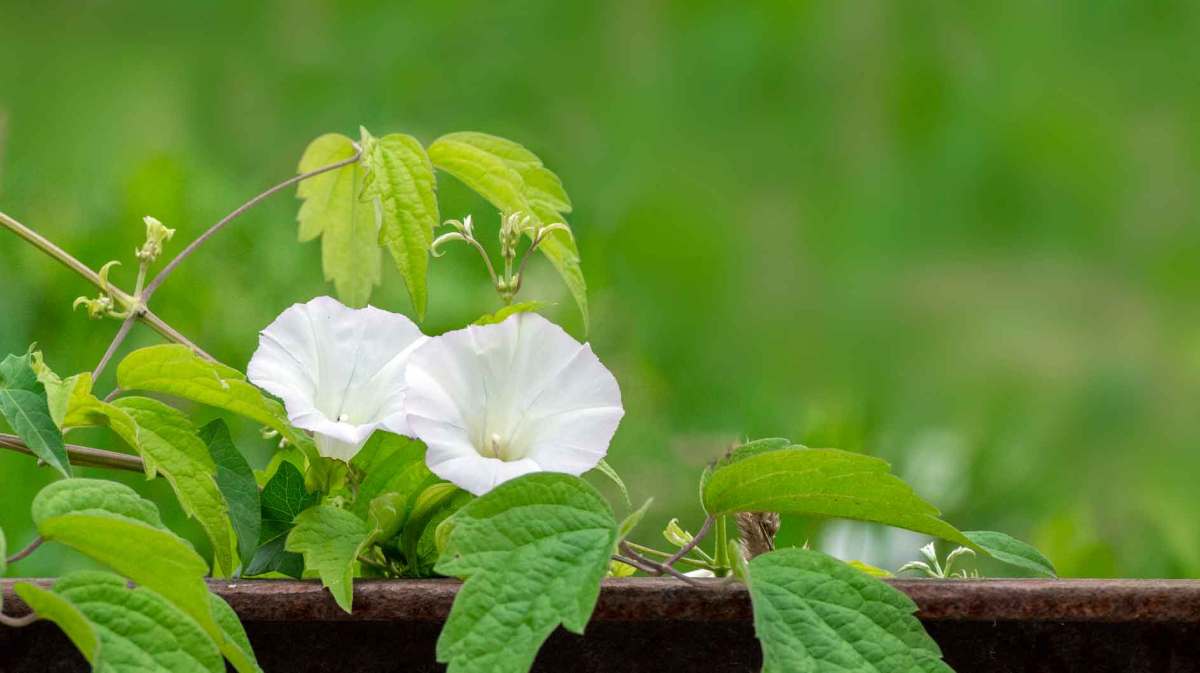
<point>663,625</point>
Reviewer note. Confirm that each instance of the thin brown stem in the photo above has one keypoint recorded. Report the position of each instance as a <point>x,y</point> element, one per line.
<point>126,325</point>
<point>65,258</point>
<point>83,456</point>
<point>194,245</point>
<point>696,539</point>
<point>686,560</point>
<point>29,549</point>
<point>18,622</point>
<point>656,568</point>
<point>171,334</point>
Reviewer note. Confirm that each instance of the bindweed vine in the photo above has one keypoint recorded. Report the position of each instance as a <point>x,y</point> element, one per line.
<point>397,453</point>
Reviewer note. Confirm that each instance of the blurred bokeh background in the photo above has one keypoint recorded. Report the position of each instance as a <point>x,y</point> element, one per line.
<point>961,236</point>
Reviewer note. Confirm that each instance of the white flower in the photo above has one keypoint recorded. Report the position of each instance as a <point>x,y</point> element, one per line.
<point>338,370</point>
<point>494,402</point>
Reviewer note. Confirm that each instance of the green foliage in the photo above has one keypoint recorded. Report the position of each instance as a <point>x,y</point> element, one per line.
<point>399,177</point>
<point>236,481</point>
<point>418,544</point>
<point>24,405</point>
<point>348,227</point>
<point>510,310</point>
<point>393,464</point>
<point>770,477</point>
<point>513,179</point>
<point>283,499</point>
<point>175,370</point>
<point>815,613</point>
<point>3,559</point>
<point>330,540</point>
<point>1012,551</point>
<point>168,443</point>
<point>121,629</point>
<point>105,521</point>
<point>532,552</point>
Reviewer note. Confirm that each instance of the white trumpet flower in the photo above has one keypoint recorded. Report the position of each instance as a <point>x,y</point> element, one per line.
<point>494,402</point>
<point>338,370</point>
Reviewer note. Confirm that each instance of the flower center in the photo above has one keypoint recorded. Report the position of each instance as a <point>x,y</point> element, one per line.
<point>497,447</point>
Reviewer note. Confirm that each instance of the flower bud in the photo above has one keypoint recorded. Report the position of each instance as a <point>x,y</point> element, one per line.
<point>676,535</point>
<point>156,235</point>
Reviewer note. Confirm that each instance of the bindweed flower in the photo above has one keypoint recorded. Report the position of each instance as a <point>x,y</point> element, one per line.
<point>338,370</point>
<point>494,402</point>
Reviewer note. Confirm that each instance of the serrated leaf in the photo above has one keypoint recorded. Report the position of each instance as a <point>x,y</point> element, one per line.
<point>236,481</point>
<point>330,540</point>
<point>105,523</point>
<point>815,613</point>
<point>1012,551</point>
<point>175,370</point>
<point>24,405</point>
<point>825,483</point>
<point>399,177</point>
<point>168,443</point>
<point>513,179</point>
<point>532,551</point>
<point>122,629</point>
<point>349,228</point>
<point>283,499</point>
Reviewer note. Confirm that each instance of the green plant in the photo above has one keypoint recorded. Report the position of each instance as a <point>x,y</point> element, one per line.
<point>403,455</point>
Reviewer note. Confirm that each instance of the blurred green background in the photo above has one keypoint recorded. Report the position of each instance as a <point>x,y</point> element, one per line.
<point>961,236</point>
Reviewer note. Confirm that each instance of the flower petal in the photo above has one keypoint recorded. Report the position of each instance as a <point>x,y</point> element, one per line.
<point>493,402</point>
<point>339,371</point>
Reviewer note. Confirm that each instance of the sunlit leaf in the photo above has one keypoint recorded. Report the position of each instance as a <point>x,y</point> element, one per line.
<point>1012,551</point>
<point>330,539</point>
<point>348,227</point>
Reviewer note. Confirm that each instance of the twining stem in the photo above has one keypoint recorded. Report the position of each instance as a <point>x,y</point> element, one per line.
<point>194,245</point>
<point>686,560</point>
<point>122,332</point>
<point>700,535</point>
<point>83,456</point>
<point>647,565</point>
<point>29,549</point>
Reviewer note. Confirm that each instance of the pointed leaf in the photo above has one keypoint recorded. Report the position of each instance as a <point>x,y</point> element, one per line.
<point>348,227</point>
<point>24,405</point>
<point>532,552</point>
<point>283,499</point>
<point>330,540</point>
<point>815,613</point>
<point>1012,551</point>
<point>822,482</point>
<point>237,484</point>
<point>399,177</point>
<point>122,629</point>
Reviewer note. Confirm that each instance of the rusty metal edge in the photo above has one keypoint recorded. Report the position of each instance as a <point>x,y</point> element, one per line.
<point>653,599</point>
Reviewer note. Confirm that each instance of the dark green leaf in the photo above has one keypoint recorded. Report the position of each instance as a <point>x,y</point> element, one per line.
<point>237,484</point>
<point>24,405</point>
<point>283,499</point>
<point>1012,551</point>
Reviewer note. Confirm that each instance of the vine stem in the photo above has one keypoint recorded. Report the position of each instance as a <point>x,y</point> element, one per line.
<point>29,549</point>
<point>694,562</point>
<point>83,456</point>
<point>18,622</point>
<point>696,539</point>
<point>154,284</point>
<point>650,566</point>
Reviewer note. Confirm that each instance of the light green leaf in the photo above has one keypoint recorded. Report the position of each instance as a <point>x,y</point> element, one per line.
<point>399,178</point>
<point>3,560</point>
<point>330,540</point>
<point>60,393</point>
<point>513,179</point>
<point>631,522</point>
<point>175,370</point>
<point>825,483</point>
<point>231,628</point>
<point>607,470</point>
<point>349,228</point>
<point>1012,551</point>
<point>532,552</point>
<point>168,443</point>
<point>397,465</point>
<point>815,613</point>
<point>236,482</point>
<point>106,522</point>
<point>24,405</point>
<point>122,629</point>
<point>283,499</point>
<point>510,310</point>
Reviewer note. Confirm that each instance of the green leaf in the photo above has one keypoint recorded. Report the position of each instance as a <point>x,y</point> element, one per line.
<point>60,393</point>
<point>231,628</point>
<point>173,369</point>
<point>635,517</point>
<point>105,520</point>
<point>513,179</point>
<point>397,465</point>
<point>330,540</point>
<point>399,178</point>
<point>821,482</point>
<point>168,443</point>
<point>1012,551</point>
<point>607,470</point>
<point>431,507</point>
<point>24,405</point>
<point>122,629</point>
<point>532,552</point>
<point>815,613</point>
<point>283,498</point>
<point>510,310</point>
<point>349,228</point>
<point>3,560</point>
<point>237,484</point>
